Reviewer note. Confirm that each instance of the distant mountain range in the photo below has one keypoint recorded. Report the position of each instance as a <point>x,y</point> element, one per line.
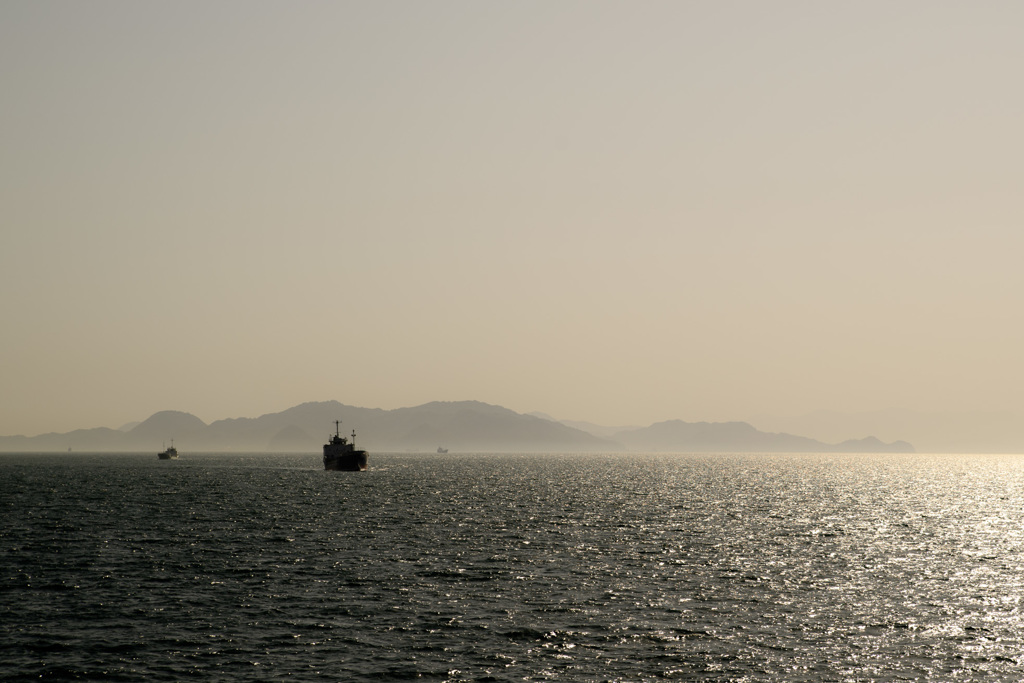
<point>740,437</point>
<point>461,426</point>
<point>930,432</point>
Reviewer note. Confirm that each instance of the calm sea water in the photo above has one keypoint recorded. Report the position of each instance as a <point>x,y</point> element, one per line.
<point>514,567</point>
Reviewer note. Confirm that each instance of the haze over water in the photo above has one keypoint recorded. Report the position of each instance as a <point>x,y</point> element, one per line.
<point>614,212</point>
<point>802,215</point>
<point>514,567</point>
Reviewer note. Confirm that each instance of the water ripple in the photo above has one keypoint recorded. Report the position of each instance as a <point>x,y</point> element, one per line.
<point>604,568</point>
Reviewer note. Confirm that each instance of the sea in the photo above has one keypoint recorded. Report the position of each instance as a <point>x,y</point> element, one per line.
<point>513,567</point>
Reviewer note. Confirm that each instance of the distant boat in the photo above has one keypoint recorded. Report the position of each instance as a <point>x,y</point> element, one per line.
<point>340,455</point>
<point>169,454</point>
<point>442,450</point>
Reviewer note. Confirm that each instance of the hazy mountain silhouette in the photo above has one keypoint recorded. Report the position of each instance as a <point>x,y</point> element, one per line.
<point>930,432</point>
<point>98,439</point>
<point>167,425</point>
<point>739,437</point>
<point>603,431</point>
<point>475,426</point>
<point>305,427</point>
<point>467,426</point>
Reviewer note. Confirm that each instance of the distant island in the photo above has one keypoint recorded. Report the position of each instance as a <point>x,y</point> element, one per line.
<point>460,426</point>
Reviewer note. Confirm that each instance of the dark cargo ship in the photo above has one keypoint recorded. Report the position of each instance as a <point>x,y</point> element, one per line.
<point>169,454</point>
<point>341,455</point>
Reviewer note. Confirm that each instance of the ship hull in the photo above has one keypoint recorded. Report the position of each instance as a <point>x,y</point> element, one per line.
<point>354,461</point>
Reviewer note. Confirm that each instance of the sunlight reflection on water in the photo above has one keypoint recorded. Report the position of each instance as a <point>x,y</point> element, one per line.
<point>560,567</point>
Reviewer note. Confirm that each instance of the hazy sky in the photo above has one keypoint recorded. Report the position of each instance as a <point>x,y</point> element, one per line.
<point>620,212</point>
